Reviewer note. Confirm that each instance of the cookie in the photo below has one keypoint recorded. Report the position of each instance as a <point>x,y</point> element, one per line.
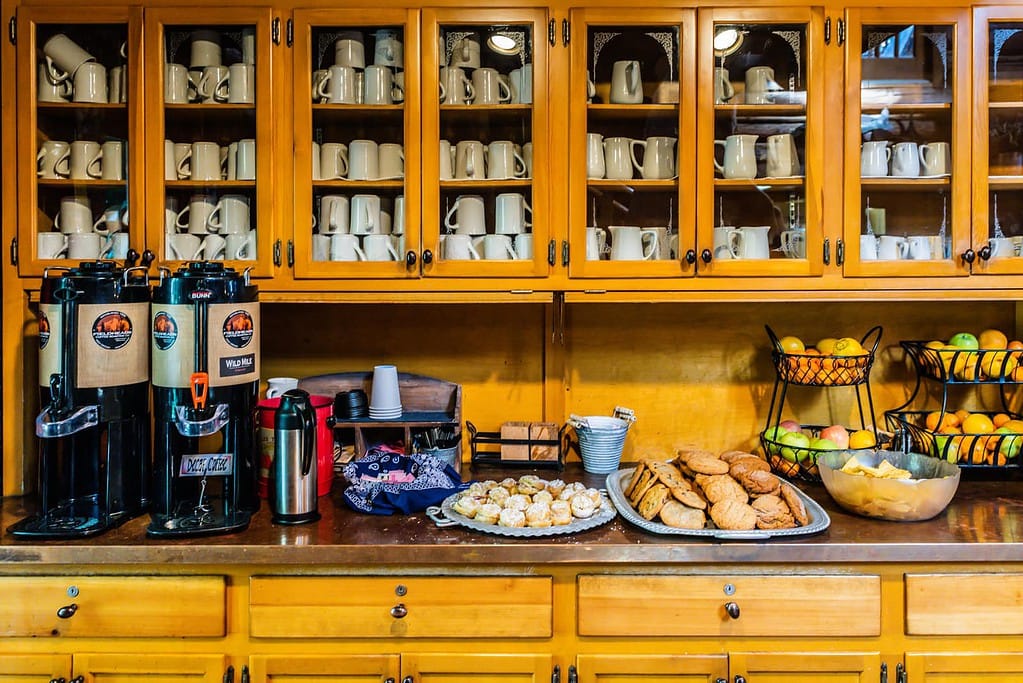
<point>796,507</point>
<point>634,480</point>
<point>721,487</point>
<point>649,479</point>
<point>772,522</point>
<point>668,474</point>
<point>733,515</point>
<point>690,498</point>
<point>747,464</point>
<point>652,501</point>
<point>707,464</point>
<point>732,456</point>
<point>758,482</point>
<point>680,516</point>
<point>769,505</point>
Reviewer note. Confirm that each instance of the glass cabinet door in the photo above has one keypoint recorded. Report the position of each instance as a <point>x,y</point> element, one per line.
<point>632,128</point>
<point>760,152</point>
<point>209,136</point>
<point>79,158</point>
<point>907,172</point>
<point>356,95</point>
<point>998,140</point>
<point>485,136</point>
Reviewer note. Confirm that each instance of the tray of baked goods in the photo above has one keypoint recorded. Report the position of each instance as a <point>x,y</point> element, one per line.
<point>526,507</point>
<point>733,495</point>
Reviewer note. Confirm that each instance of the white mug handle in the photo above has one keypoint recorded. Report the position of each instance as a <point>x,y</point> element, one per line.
<point>473,254</point>
<point>504,93</point>
<point>39,161</point>
<point>99,227</point>
<point>213,220</point>
<point>358,250</point>
<point>451,212</point>
<point>186,159</point>
<point>633,144</point>
<point>520,165</point>
<point>470,91</point>
<point>529,210</point>
<point>734,242</point>
<point>321,87</point>
<point>55,74</point>
<point>719,167</point>
<point>651,252</point>
<point>443,92</point>
<point>222,89</point>
<point>178,222</point>
<point>95,161</point>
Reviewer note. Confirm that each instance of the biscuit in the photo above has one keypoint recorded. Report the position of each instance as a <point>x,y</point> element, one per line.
<point>733,515</point>
<point>649,479</point>
<point>780,521</point>
<point>707,464</point>
<point>796,507</point>
<point>652,501</point>
<point>732,456</point>
<point>682,455</point>
<point>680,516</point>
<point>747,464</point>
<point>721,487</point>
<point>757,482</point>
<point>769,504</point>
<point>668,474</point>
<point>634,480</point>
<point>690,498</point>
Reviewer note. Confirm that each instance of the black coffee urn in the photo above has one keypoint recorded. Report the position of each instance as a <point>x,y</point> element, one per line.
<point>205,356</point>
<point>94,426</point>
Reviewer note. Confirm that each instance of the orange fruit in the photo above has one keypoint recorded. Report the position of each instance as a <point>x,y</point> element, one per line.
<point>1015,344</point>
<point>978,423</point>
<point>1000,420</point>
<point>1017,373</point>
<point>938,422</point>
<point>862,438</point>
<point>993,339</point>
<point>811,352</point>
<point>1014,426</point>
<point>790,344</point>
<point>962,414</point>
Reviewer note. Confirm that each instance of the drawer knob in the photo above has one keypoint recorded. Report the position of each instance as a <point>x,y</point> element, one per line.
<point>399,611</point>
<point>67,611</point>
<point>732,609</point>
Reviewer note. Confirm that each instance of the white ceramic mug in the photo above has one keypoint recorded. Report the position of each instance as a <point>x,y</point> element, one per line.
<point>618,158</point>
<point>249,45</point>
<point>446,160</point>
<point>90,84</point>
<point>663,252</point>
<point>521,81</point>
<point>596,241</point>
<point>398,227</point>
<point>170,214</point>
<point>918,248</point>
<point>205,48</point>
<point>740,159</point>
<point>275,386</point>
<point>722,241</point>
<point>524,246</point>
<point>467,215</point>
<point>1002,247</point>
<point>214,247</point>
<point>387,48</point>
<point>350,50</point>
<point>594,155</point>
<point>378,82</point>
<point>184,247</point>
<point>117,84</point>
<point>333,160</point>
<point>113,219</point>
<point>182,160</point>
<point>891,248</point>
<point>115,246</point>
<point>242,246</point>
<point>489,88</point>
<point>495,247</point>
<point>906,160</point>
<point>51,245</point>
<point>64,57</point>
<point>782,158</point>
<point>503,162</point>
<point>466,52</point>
<point>632,243</point>
<point>398,90</point>
<point>241,79</point>
<point>723,90</point>
<point>379,248</point>
<point>86,160</point>
<point>231,215</point>
<point>874,158</point>
<point>50,90</point>
<point>793,243</point>
<point>935,158</point>
<point>319,81</point>
<point>345,247</point>
<point>750,242</point>
<point>455,88</point>
<point>198,211</point>
<point>470,161</point>
<point>363,160</point>
<point>213,86</point>
<point>390,160</point>
<point>759,83</point>
<point>112,154</point>
<point>321,247</point>
<point>868,248</point>
<point>202,162</point>
<point>334,214</point>
<point>658,157</point>
<point>458,248</point>
<point>245,165</point>
<point>53,159</point>
<point>365,215</point>
<point>84,245</point>
<point>175,83</point>
<point>626,84</point>
<point>510,210</point>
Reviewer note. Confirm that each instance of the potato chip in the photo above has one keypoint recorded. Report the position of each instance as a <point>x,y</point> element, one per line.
<point>884,470</point>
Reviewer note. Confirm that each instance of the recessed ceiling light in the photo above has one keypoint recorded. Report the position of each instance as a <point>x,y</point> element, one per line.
<point>727,41</point>
<point>503,44</point>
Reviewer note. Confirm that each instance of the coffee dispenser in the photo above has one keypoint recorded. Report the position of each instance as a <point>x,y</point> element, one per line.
<point>205,349</point>
<point>93,429</point>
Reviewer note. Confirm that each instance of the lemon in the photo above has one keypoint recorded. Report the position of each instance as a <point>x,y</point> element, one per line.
<point>847,346</point>
<point>791,344</point>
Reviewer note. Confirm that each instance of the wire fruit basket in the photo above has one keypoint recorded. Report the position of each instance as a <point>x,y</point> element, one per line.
<point>814,369</point>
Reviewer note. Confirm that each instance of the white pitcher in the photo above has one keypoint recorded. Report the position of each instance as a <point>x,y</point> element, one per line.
<point>750,242</point>
<point>740,159</point>
<point>626,86</point>
<point>631,243</point>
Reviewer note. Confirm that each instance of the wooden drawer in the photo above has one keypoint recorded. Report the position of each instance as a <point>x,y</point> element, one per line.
<point>406,607</point>
<point>113,606</point>
<point>696,605</point>
<point>964,604</point>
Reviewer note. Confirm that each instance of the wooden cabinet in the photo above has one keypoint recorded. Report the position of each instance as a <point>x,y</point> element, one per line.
<point>34,668</point>
<point>964,604</point>
<point>760,667</point>
<point>184,668</point>
<point>964,667</point>
<point>420,667</point>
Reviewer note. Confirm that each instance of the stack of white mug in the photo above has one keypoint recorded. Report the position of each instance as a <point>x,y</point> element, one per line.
<point>81,160</point>
<point>907,159</point>
<point>362,228</point>
<point>207,79</point>
<point>209,228</point>
<point>464,81</point>
<point>474,160</point>
<point>351,81</point>
<point>70,74</point>
<point>467,237</point>
<point>358,160</point>
<point>206,160</point>
<point>77,236</point>
<point>615,158</point>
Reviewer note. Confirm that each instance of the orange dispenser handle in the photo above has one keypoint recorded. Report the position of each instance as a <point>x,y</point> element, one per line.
<point>200,382</point>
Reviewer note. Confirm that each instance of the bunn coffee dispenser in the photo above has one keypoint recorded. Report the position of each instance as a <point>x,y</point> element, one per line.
<point>94,426</point>
<point>205,349</point>
<point>293,488</point>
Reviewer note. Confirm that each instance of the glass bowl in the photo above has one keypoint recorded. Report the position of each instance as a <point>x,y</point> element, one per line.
<point>924,496</point>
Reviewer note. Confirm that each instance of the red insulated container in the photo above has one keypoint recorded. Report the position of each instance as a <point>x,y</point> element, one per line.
<point>324,407</point>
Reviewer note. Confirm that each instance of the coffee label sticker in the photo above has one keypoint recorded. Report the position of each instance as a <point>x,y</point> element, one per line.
<point>207,465</point>
<point>238,329</point>
<point>112,330</point>
<point>232,366</point>
<point>165,330</point>
<point>44,330</point>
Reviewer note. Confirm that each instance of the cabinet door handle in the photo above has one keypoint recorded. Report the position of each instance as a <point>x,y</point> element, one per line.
<point>556,674</point>
<point>67,611</point>
<point>827,31</point>
<point>839,252</point>
<point>277,253</point>
<point>827,252</point>
<point>573,674</point>
<point>291,254</point>
<point>552,247</point>
<point>732,609</point>
<point>969,256</point>
<point>884,672</point>
<point>739,678</point>
<point>14,251</point>
<point>407,679</point>
<point>841,31</point>
<point>706,256</point>
<point>550,33</point>
<point>566,32</point>
<point>690,256</point>
<point>410,259</point>
<point>399,611</point>
<point>427,257</point>
<point>984,252</point>
<point>289,33</point>
<point>275,30</point>
<point>564,253</point>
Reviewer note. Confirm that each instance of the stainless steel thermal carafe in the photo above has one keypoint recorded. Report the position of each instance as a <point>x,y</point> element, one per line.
<point>293,487</point>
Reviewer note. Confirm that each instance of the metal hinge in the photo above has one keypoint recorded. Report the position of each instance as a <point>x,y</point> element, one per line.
<point>827,30</point>
<point>550,33</point>
<point>841,31</point>
<point>12,31</point>
<point>275,30</point>
<point>14,251</point>
<point>827,252</point>
<point>291,254</point>
<point>840,252</point>
<point>566,32</point>
<point>550,251</point>
<point>564,253</point>
<point>277,253</point>
<point>290,33</point>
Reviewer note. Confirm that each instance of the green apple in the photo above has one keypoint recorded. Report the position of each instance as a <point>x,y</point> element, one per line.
<point>1010,445</point>
<point>964,340</point>
<point>821,444</point>
<point>944,447</point>
<point>794,446</point>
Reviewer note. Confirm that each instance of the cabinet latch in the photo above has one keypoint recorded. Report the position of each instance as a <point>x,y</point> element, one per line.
<point>564,253</point>
<point>566,32</point>
<point>291,254</point>
<point>841,31</point>
<point>289,36</point>
<point>827,30</point>
<point>839,252</point>
<point>827,252</point>
<point>550,251</point>
<point>12,31</point>
<point>275,31</point>
<point>550,33</point>
<point>277,253</point>
<point>14,251</point>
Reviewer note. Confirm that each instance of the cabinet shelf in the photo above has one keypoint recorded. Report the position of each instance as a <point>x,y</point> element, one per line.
<point>485,184</point>
<point>605,112</point>
<point>97,183</point>
<point>200,184</point>
<point>1005,182</point>
<point>485,108</point>
<point>736,185</point>
<point>905,184</point>
<point>79,106</point>
<point>1005,106</point>
<point>908,108</point>
<point>632,185</point>
<point>759,110</point>
<point>360,108</point>
<point>359,184</point>
<point>211,106</point>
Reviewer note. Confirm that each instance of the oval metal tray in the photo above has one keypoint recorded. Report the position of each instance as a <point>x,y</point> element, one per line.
<point>819,520</point>
<point>445,516</point>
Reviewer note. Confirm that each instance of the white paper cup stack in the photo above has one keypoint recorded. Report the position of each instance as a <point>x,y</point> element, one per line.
<point>385,401</point>
<point>601,443</point>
